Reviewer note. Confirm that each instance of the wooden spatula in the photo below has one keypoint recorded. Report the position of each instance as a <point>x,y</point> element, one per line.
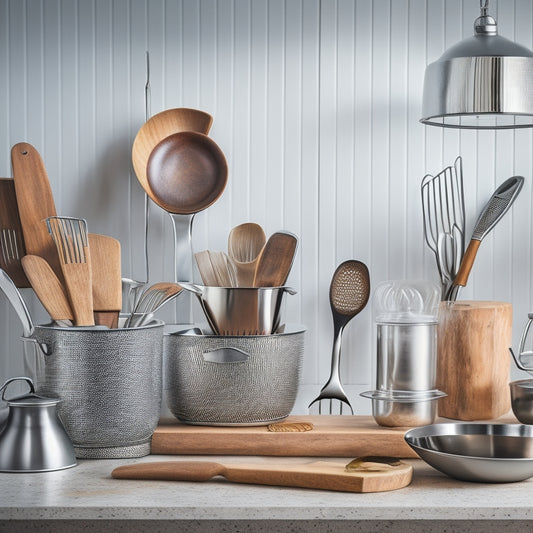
<point>35,203</point>
<point>71,239</point>
<point>377,477</point>
<point>106,279</point>
<point>12,247</point>
<point>275,260</point>
<point>47,287</point>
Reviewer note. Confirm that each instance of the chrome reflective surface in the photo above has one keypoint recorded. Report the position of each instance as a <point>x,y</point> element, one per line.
<point>241,310</point>
<point>522,400</point>
<point>487,453</point>
<point>33,438</point>
<point>406,356</point>
<point>482,82</point>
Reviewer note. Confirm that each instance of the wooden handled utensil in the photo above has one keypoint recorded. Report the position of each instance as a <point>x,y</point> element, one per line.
<point>106,279</point>
<point>12,247</point>
<point>35,203</point>
<point>499,203</point>
<point>216,268</point>
<point>48,288</point>
<point>70,237</point>
<point>275,260</point>
<point>371,476</point>
<point>245,243</point>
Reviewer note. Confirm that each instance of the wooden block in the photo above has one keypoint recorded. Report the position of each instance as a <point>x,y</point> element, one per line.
<point>473,361</point>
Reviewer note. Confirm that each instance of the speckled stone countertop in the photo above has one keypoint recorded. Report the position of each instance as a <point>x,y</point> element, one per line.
<point>86,498</point>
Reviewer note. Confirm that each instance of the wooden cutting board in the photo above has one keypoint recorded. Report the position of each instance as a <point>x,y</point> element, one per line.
<point>331,436</point>
<point>373,477</point>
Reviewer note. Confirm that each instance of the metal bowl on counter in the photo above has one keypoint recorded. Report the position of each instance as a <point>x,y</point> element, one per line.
<point>486,453</point>
<point>522,400</point>
<point>397,408</point>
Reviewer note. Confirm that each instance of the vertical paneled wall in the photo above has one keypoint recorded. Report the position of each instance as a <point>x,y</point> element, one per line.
<point>316,106</point>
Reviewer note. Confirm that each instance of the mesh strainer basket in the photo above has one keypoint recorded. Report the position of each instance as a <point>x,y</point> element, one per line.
<point>233,380</point>
<point>109,381</point>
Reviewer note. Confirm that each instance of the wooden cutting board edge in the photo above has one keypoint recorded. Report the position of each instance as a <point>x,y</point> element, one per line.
<point>331,436</point>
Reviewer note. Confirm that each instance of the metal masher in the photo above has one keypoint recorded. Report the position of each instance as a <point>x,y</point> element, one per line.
<point>444,220</point>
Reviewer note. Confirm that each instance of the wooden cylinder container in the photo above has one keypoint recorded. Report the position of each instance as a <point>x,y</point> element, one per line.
<point>473,361</point>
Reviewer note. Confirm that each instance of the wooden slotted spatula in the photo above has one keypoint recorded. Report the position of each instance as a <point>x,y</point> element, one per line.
<point>368,475</point>
<point>275,260</point>
<point>106,279</point>
<point>12,247</point>
<point>71,239</point>
<point>35,203</point>
<point>48,288</point>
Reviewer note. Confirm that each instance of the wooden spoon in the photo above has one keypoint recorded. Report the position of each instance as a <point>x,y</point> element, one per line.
<point>12,247</point>
<point>106,279</point>
<point>158,128</point>
<point>47,287</point>
<point>245,243</point>
<point>35,203</point>
<point>275,260</point>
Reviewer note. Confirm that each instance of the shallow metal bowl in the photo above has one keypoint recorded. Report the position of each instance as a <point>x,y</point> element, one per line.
<point>487,453</point>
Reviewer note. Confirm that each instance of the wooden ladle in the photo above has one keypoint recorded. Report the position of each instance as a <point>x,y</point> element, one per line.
<point>187,172</point>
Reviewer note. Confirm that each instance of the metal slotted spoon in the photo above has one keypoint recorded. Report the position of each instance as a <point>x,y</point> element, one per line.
<point>348,294</point>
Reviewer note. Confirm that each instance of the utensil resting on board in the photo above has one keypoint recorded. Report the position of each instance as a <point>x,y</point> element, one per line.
<point>499,203</point>
<point>369,475</point>
<point>348,295</point>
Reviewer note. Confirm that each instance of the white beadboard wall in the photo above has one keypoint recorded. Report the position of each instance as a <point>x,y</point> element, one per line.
<point>316,106</point>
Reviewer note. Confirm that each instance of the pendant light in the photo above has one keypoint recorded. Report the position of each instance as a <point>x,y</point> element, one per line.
<point>482,82</point>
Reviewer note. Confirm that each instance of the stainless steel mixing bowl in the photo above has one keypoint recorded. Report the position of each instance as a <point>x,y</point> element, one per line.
<point>522,400</point>
<point>487,453</point>
<point>241,310</point>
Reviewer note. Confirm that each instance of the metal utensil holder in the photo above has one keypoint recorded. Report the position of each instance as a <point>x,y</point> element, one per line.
<point>223,380</point>
<point>109,383</point>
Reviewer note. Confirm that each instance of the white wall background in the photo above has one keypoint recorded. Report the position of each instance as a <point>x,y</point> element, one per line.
<point>316,106</point>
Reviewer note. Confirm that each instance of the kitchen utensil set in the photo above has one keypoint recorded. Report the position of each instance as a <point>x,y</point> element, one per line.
<point>250,261</point>
<point>444,223</point>
<point>348,295</point>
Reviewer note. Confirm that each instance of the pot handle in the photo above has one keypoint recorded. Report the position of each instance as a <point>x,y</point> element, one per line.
<point>3,388</point>
<point>226,355</point>
<point>43,347</point>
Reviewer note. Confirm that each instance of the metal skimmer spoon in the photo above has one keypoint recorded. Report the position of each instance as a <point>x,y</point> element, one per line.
<point>348,294</point>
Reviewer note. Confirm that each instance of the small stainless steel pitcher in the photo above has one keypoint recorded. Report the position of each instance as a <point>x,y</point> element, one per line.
<point>33,438</point>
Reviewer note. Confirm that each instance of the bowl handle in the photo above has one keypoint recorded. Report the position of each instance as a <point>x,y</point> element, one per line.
<point>225,355</point>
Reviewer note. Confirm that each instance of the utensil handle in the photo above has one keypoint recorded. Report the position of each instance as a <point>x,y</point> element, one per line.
<point>170,471</point>
<point>467,262</point>
<point>183,255</point>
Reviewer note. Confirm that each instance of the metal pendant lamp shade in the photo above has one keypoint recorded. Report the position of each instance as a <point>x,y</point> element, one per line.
<point>482,82</point>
